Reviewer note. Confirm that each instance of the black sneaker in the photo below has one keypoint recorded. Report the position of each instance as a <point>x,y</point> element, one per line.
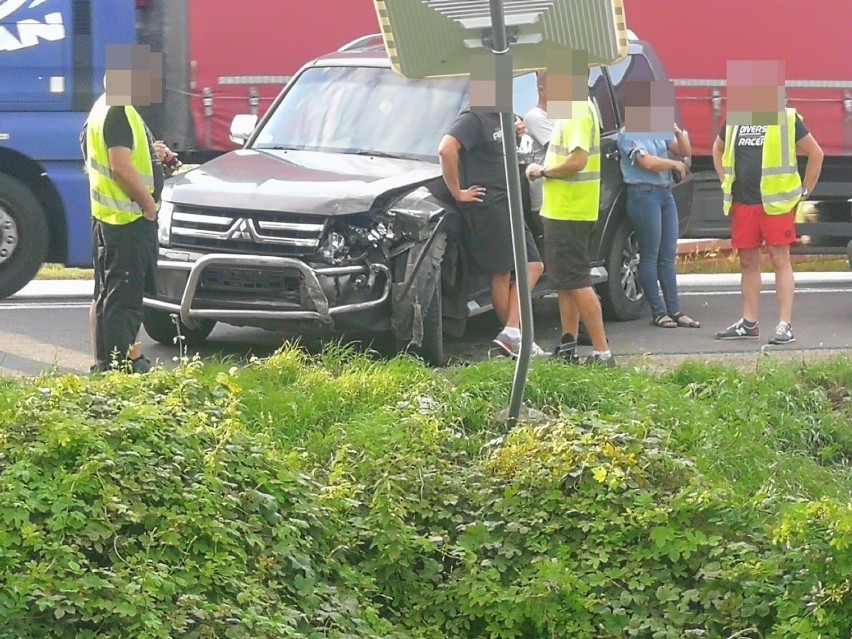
<point>783,334</point>
<point>738,330</point>
<point>596,360</point>
<point>141,364</point>
<point>567,350</point>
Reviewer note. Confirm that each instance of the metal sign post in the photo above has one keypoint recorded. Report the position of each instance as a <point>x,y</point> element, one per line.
<point>500,47</point>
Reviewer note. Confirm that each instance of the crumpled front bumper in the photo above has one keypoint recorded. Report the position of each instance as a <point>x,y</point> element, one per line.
<point>180,289</point>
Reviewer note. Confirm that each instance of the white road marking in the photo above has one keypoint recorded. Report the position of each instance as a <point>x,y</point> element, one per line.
<point>26,347</point>
<point>43,306</point>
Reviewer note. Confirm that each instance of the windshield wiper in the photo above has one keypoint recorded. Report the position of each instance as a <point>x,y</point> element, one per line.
<point>384,154</point>
<point>277,147</point>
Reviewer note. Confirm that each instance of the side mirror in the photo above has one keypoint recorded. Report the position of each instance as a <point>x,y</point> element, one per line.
<point>241,128</point>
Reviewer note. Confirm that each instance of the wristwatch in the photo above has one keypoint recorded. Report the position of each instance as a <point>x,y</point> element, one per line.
<point>543,172</point>
<point>805,193</point>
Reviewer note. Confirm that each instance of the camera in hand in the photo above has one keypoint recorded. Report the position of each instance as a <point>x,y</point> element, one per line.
<point>675,176</point>
<point>172,161</point>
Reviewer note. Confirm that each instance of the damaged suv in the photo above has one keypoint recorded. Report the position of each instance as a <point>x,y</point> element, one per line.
<point>334,215</point>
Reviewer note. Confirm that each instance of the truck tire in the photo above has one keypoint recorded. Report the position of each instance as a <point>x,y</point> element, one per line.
<point>24,236</point>
<point>431,350</point>
<point>622,298</point>
<point>161,328</point>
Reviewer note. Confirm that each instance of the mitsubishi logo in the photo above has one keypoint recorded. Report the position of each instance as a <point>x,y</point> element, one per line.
<point>241,230</point>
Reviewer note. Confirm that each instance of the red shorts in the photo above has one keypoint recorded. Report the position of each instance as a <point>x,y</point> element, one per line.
<point>751,226</point>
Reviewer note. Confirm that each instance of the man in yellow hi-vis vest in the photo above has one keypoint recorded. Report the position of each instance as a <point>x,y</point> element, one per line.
<point>569,212</point>
<point>755,158</point>
<point>125,180</point>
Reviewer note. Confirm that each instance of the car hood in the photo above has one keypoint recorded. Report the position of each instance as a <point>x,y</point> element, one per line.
<point>304,182</point>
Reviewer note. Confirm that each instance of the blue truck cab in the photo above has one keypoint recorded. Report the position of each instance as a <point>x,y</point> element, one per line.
<point>52,63</point>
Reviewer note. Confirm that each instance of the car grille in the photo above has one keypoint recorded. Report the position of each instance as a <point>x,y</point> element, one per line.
<point>237,283</point>
<point>259,233</point>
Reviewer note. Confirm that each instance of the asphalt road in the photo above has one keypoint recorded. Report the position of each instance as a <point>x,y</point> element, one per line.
<point>40,333</point>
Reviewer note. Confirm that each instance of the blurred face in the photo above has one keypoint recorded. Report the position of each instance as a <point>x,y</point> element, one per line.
<point>566,82</point>
<point>756,94</point>
<point>490,83</point>
<point>134,76</point>
<point>649,109</point>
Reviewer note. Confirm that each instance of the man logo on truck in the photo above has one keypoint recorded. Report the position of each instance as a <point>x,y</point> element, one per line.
<point>29,31</point>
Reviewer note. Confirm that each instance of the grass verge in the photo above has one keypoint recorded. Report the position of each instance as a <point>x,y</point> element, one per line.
<point>341,497</point>
<point>726,261</point>
<point>59,272</point>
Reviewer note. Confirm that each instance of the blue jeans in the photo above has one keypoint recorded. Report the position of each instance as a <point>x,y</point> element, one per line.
<point>653,212</point>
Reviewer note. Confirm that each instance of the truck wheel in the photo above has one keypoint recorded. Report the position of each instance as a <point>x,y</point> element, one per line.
<point>24,236</point>
<point>161,328</point>
<point>431,350</point>
<point>622,297</point>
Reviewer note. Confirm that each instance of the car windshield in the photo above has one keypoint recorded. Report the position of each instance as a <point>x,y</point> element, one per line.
<point>364,110</point>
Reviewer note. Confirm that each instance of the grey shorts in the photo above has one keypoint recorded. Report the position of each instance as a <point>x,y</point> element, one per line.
<point>566,253</point>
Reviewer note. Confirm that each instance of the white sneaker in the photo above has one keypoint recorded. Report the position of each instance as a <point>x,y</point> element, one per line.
<point>783,334</point>
<point>511,346</point>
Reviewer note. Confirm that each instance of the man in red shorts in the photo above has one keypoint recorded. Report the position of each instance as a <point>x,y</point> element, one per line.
<point>755,158</point>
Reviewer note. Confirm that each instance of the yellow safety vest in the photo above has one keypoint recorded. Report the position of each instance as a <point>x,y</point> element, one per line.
<point>110,204</point>
<point>780,184</point>
<point>576,198</point>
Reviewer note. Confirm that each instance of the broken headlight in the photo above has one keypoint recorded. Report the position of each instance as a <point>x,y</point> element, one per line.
<point>353,237</point>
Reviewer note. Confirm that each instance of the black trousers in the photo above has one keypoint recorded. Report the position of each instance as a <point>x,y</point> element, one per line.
<point>125,269</point>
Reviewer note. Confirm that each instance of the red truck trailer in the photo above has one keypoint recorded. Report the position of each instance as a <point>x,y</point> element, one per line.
<point>695,39</point>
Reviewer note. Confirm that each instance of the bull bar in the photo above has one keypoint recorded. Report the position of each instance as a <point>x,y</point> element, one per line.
<point>323,312</point>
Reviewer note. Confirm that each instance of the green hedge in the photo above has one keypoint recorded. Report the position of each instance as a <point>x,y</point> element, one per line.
<point>345,498</point>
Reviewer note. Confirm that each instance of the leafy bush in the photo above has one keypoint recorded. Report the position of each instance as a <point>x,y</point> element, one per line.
<point>347,498</point>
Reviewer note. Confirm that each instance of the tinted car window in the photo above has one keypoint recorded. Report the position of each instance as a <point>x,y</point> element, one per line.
<point>602,97</point>
<point>634,67</point>
<point>356,109</point>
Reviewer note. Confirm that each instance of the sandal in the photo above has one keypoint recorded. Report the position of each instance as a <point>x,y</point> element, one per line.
<point>684,321</point>
<point>664,321</point>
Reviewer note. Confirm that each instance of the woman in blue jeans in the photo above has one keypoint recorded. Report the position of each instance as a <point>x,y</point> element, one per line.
<point>651,207</point>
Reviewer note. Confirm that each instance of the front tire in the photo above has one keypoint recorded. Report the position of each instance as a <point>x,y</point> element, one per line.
<point>431,350</point>
<point>622,297</point>
<point>24,236</point>
<point>161,328</point>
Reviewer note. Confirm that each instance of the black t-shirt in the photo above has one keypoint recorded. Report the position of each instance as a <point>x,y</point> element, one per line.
<point>748,159</point>
<point>481,157</point>
<point>117,132</point>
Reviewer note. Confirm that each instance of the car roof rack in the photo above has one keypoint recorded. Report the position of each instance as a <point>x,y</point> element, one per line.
<point>364,42</point>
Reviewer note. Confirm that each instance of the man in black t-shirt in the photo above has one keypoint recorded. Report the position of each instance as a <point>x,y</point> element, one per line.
<point>756,110</point>
<point>473,167</point>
